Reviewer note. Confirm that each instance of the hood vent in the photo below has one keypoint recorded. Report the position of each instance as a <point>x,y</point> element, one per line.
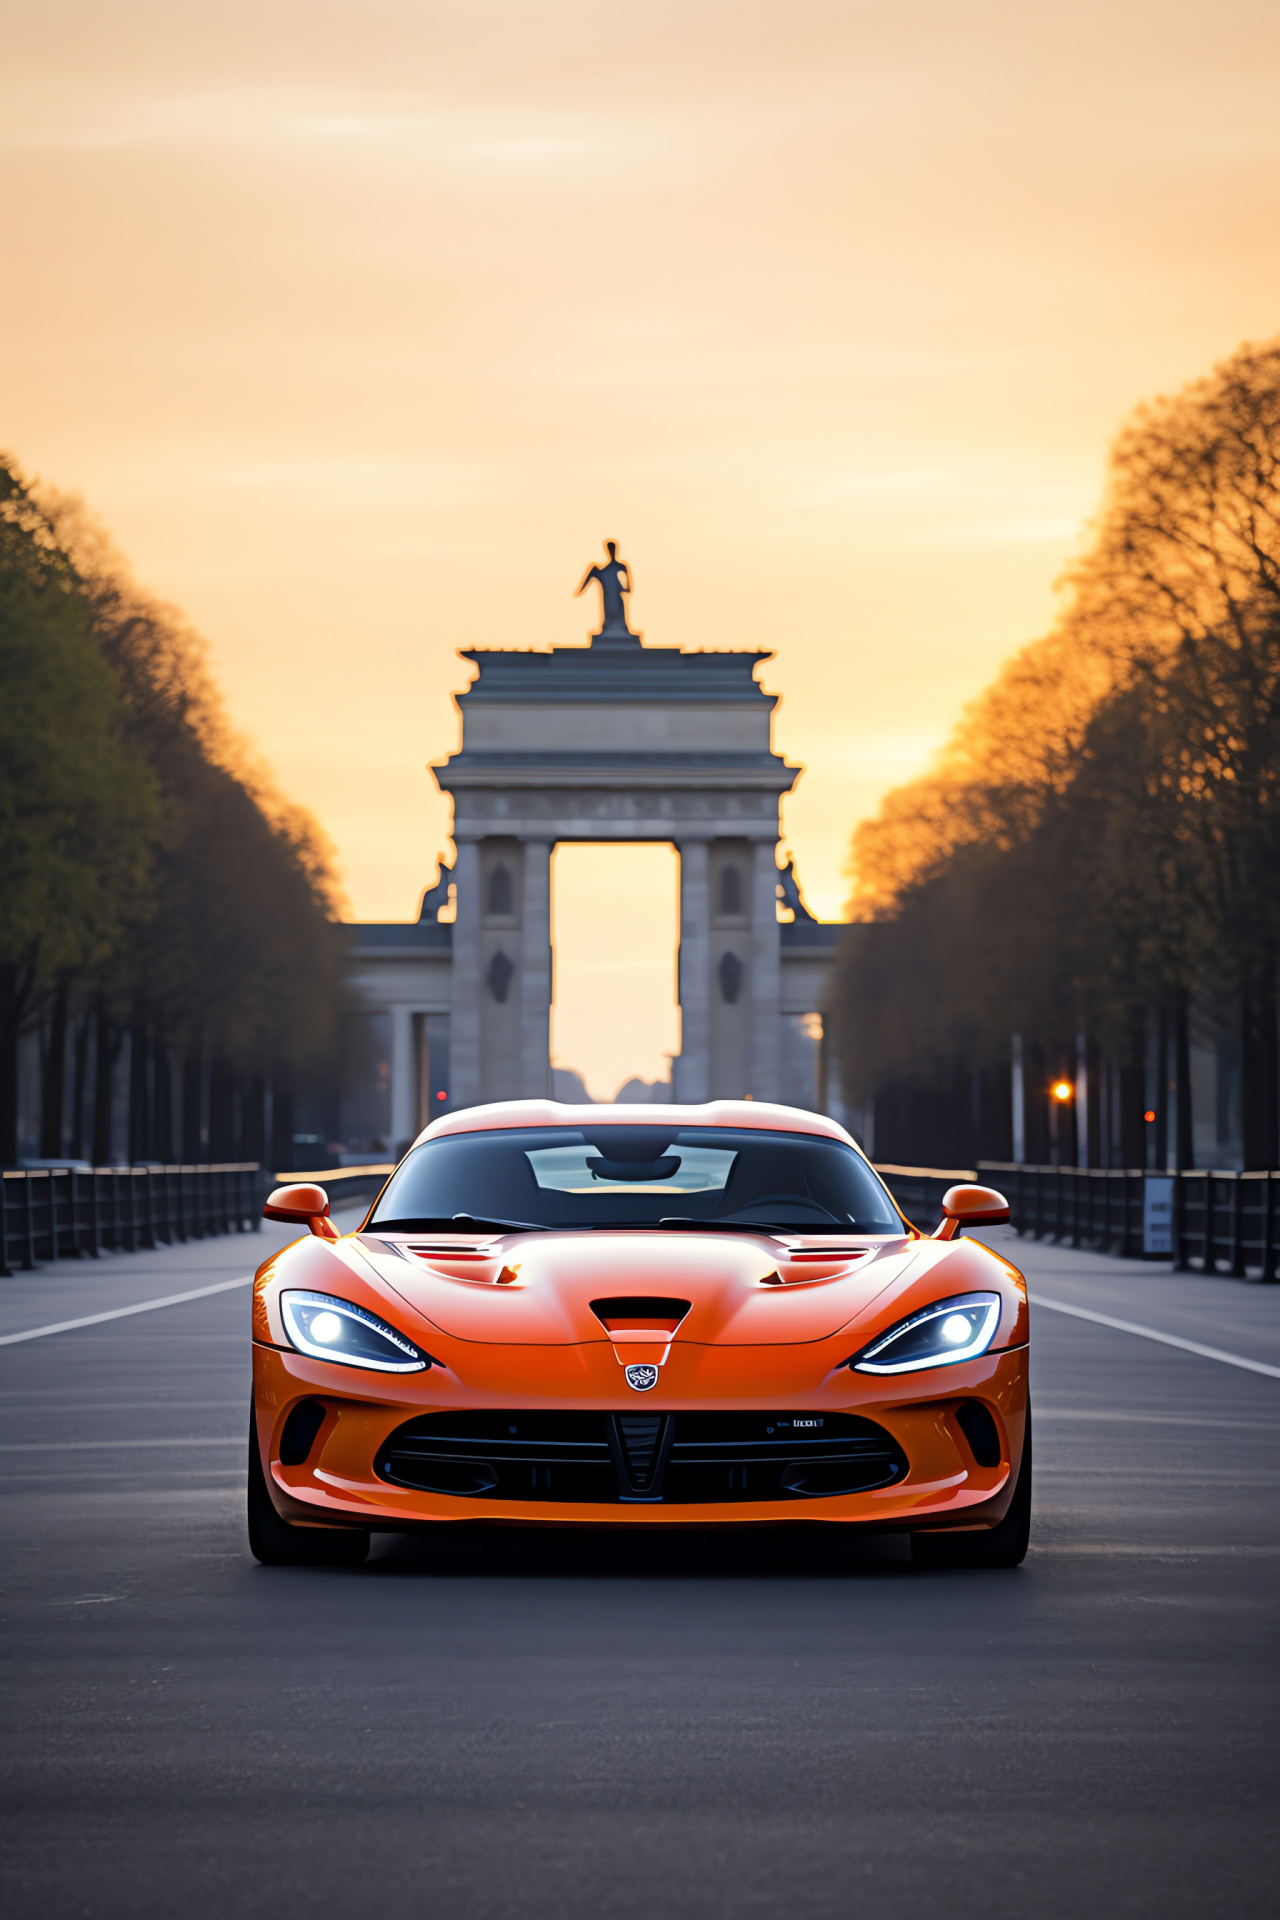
<point>425,1252</point>
<point>634,1314</point>
<point>799,1259</point>
<point>828,1253</point>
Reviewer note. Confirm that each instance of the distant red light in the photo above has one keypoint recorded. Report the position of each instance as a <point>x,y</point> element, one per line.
<point>442,1096</point>
<point>1150,1114</point>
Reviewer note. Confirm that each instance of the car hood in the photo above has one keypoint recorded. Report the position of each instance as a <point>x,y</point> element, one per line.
<point>555,1289</point>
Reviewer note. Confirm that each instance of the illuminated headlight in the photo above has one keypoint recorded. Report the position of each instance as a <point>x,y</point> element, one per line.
<point>937,1336</point>
<point>330,1329</point>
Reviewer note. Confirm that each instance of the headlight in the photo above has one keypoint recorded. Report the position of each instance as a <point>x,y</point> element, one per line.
<point>330,1329</point>
<point>937,1336</point>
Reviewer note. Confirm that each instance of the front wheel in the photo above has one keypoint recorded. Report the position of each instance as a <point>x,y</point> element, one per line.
<point>1002,1546</point>
<point>277,1544</point>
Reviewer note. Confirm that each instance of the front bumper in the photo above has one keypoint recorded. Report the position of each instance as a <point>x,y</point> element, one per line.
<point>943,1484</point>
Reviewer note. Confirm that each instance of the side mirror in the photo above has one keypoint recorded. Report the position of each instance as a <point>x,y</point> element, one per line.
<point>302,1206</point>
<point>970,1207</point>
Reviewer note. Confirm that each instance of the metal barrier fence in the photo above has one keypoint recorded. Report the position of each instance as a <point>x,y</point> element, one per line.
<point>1218,1220</point>
<point>1208,1217</point>
<point>49,1213</point>
<point>1228,1221</point>
<point>1102,1207</point>
<point>919,1190</point>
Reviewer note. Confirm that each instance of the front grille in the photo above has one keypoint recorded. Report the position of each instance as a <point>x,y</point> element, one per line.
<point>778,1456</point>
<point>506,1456</point>
<point>676,1459</point>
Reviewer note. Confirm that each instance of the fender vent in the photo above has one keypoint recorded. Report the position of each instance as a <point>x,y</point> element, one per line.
<point>299,1433</point>
<point>979,1429</point>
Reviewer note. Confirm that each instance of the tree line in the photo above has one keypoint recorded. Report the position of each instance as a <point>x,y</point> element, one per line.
<point>166,916</point>
<point>1094,859</point>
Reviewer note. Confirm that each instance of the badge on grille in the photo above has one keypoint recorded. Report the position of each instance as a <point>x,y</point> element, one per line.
<point>641,1377</point>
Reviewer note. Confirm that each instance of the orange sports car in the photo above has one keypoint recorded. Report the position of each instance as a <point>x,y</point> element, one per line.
<point>638,1315</point>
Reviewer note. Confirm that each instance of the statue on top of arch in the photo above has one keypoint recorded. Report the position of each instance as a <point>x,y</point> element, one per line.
<point>614,580</point>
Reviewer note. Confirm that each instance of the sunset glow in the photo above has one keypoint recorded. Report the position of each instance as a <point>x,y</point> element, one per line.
<point>366,325</point>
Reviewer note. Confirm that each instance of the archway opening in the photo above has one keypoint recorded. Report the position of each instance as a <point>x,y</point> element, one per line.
<point>615,925</point>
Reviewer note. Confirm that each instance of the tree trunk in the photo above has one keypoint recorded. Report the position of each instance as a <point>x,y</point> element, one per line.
<point>1184,1148</point>
<point>193,1151</point>
<point>54,1073</point>
<point>1036,1102</point>
<point>10,1013</point>
<point>80,1075</point>
<point>221,1110</point>
<point>1258,1066</point>
<point>162,1104</point>
<point>281,1125</point>
<point>1161,1101</point>
<point>109,1042</point>
<point>253,1129</point>
<point>140,1145</point>
<point>1093,1147</point>
<point>1133,1092</point>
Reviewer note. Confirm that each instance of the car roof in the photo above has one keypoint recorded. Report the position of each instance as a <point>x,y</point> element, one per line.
<point>761,1115</point>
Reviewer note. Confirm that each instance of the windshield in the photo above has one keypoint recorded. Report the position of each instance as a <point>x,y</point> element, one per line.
<point>614,1176</point>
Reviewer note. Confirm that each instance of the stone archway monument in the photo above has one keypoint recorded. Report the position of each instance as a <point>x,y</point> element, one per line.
<point>615,741</point>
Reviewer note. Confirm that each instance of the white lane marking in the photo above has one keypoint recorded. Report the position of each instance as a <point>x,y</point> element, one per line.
<point>1062,1413</point>
<point>122,1313</point>
<point>1152,1333</point>
<point>94,1446</point>
<point>1159,1553</point>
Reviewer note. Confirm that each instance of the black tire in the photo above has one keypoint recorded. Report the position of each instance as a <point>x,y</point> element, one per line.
<point>277,1544</point>
<point>1002,1546</point>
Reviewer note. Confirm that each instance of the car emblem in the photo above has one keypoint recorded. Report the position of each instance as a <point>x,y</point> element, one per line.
<point>642,1377</point>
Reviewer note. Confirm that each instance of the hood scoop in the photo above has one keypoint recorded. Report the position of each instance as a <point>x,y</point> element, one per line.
<point>640,1313</point>
<point>641,1326</point>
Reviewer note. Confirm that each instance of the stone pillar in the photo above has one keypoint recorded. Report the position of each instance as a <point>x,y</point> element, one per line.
<point>535,972</point>
<point>693,1067</point>
<point>404,1081</point>
<point>467,985</point>
<point>765,975</point>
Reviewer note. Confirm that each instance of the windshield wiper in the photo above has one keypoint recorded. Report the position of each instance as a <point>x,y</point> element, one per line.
<point>455,1223</point>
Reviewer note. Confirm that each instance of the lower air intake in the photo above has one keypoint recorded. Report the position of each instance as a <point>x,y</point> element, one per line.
<point>683,1459</point>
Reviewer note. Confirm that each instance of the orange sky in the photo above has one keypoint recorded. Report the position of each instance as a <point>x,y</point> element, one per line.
<point>362,325</point>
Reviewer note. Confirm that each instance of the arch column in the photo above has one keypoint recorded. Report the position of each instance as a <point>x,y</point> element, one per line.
<point>535,972</point>
<point>404,1080</point>
<point>692,1068</point>
<point>466,983</point>
<point>765,975</point>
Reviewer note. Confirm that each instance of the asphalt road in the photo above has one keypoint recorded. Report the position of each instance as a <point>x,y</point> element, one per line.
<point>512,1725</point>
